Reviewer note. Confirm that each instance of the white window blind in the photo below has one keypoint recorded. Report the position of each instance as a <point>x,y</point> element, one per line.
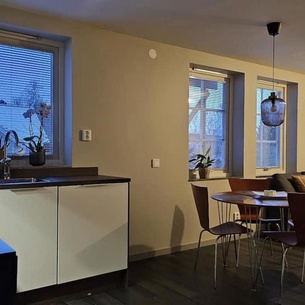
<point>30,75</point>
<point>26,78</point>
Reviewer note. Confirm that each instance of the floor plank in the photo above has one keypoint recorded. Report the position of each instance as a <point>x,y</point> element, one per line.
<point>172,280</point>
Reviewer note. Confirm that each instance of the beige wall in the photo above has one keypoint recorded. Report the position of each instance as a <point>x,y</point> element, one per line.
<point>137,110</point>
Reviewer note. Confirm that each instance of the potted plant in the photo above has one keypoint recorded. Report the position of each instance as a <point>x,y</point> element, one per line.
<point>35,142</point>
<point>203,162</point>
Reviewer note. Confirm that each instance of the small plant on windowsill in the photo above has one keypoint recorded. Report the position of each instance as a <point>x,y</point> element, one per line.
<point>35,142</point>
<point>202,162</point>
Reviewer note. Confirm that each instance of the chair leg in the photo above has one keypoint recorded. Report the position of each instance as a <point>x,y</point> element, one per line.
<point>234,239</point>
<point>271,245</point>
<point>269,227</point>
<point>282,273</point>
<point>198,249</point>
<point>259,232</point>
<point>286,262</point>
<point>225,242</point>
<point>259,261</point>
<point>215,263</point>
<point>303,267</point>
<point>237,250</point>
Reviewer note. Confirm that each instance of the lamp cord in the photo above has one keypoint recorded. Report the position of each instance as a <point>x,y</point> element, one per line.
<point>273,52</point>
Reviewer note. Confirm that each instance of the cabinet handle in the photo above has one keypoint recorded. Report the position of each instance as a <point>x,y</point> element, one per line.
<point>28,189</point>
<point>92,185</point>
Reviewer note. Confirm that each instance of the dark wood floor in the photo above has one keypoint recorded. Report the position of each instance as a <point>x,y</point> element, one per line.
<point>171,280</point>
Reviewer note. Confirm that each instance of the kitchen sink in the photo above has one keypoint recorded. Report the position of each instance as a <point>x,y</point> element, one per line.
<point>22,180</point>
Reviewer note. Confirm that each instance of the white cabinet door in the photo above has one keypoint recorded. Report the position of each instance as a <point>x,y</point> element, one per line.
<point>92,230</point>
<point>28,223</point>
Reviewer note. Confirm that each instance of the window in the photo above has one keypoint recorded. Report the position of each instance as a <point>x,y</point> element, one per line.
<point>269,140</point>
<point>30,73</point>
<point>208,117</point>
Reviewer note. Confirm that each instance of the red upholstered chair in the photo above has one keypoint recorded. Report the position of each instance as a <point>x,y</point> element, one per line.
<point>292,238</point>
<point>201,198</point>
<point>245,184</point>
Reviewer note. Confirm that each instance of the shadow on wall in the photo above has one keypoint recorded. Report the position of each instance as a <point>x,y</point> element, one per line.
<point>142,251</point>
<point>177,230</point>
<point>139,252</point>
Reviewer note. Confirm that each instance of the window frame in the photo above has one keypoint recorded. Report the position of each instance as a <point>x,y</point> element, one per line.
<point>282,167</point>
<point>213,75</point>
<point>57,48</point>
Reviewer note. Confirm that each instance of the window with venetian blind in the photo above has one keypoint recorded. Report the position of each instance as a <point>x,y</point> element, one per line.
<point>31,72</point>
<point>209,94</point>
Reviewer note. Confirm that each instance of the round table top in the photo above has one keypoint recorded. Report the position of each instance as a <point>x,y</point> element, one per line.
<point>250,198</point>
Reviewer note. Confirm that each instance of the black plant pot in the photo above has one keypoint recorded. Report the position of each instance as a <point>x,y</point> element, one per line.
<point>37,158</point>
<point>204,173</point>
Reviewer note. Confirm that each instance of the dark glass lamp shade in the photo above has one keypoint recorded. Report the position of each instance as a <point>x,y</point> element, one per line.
<point>273,110</point>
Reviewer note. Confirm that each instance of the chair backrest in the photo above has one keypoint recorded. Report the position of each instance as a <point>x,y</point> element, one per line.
<point>201,198</point>
<point>245,184</point>
<point>249,184</point>
<point>297,210</point>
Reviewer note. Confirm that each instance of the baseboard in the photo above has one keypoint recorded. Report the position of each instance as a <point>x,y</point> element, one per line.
<point>165,251</point>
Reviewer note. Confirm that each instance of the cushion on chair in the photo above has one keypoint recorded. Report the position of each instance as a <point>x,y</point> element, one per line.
<point>299,182</point>
<point>282,182</point>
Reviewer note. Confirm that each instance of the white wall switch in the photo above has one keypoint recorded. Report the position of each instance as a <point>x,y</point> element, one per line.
<point>86,135</point>
<point>155,163</point>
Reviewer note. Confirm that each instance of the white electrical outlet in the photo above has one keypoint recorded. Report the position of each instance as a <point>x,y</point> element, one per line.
<point>86,135</point>
<point>236,216</point>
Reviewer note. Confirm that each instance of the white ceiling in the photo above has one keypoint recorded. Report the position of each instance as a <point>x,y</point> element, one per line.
<point>233,28</point>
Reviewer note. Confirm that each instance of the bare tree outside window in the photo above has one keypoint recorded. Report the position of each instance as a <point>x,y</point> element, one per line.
<point>208,118</point>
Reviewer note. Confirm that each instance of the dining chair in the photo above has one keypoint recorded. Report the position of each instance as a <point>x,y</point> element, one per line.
<point>222,230</point>
<point>290,225</point>
<point>248,184</point>
<point>288,239</point>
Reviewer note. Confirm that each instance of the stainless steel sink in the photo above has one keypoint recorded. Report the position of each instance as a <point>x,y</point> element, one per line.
<point>22,180</point>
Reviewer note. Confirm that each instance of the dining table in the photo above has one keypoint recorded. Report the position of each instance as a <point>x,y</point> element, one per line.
<point>251,201</point>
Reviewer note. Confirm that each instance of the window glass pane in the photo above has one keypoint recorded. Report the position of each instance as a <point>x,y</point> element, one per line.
<point>207,118</point>
<point>268,159</point>
<point>268,139</point>
<point>27,79</point>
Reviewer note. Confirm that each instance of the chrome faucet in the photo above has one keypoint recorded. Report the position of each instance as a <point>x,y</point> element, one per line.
<point>6,161</point>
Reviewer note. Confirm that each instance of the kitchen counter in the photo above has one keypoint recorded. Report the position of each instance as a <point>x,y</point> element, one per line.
<point>60,176</point>
<point>43,219</point>
<point>65,181</point>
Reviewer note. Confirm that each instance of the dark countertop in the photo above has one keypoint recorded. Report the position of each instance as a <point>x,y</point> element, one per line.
<point>60,177</point>
<point>65,181</point>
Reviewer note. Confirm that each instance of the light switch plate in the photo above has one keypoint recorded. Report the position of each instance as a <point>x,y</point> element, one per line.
<point>155,163</point>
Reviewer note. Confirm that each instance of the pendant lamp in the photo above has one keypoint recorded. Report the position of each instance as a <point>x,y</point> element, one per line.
<point>273,108</point>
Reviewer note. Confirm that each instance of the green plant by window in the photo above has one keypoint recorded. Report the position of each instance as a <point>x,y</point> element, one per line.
<point>202,160</point>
